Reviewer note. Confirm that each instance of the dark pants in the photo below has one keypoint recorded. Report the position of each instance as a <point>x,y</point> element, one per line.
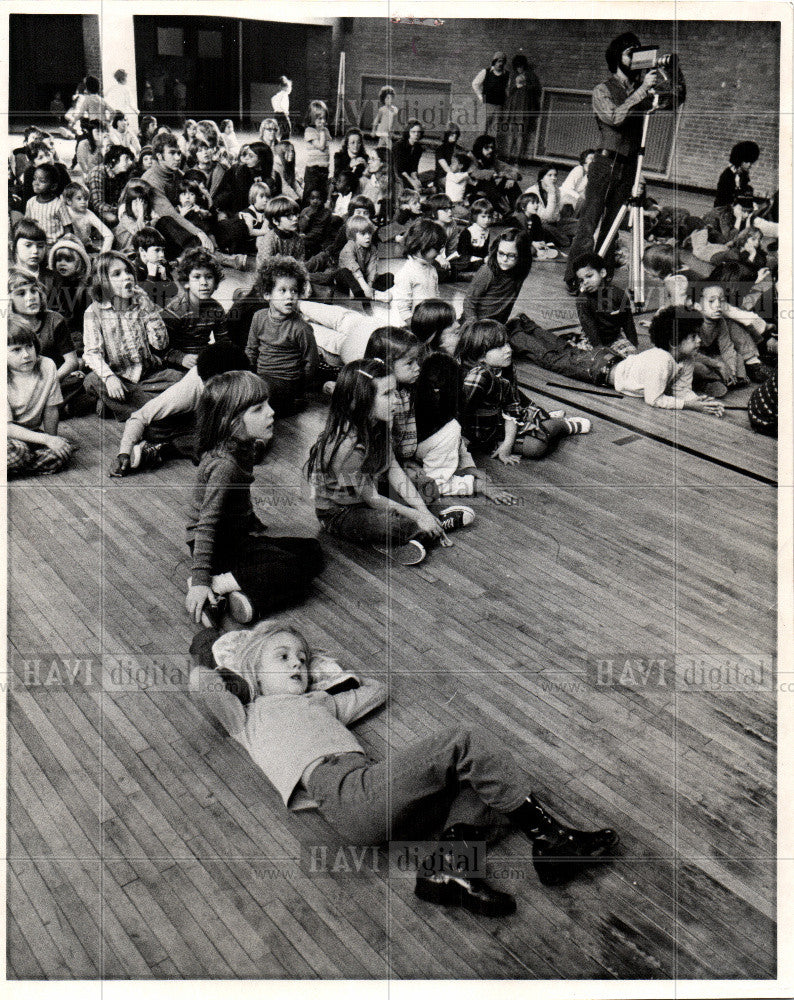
<point>364,525</point>
<point>457,776</point>
<point>609,183</point>
<point>136,394</point>
<point>284,127</point>
<point>274,573</point>
<point>285,395</point>
<point>547,351</point>
<point>177,238</point>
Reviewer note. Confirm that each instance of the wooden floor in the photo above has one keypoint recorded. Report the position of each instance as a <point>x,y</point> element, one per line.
<point>144,844</point>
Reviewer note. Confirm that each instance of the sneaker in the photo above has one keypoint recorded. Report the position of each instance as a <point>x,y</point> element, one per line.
<point>578,425</point>
<point>459,516</point>
<point>410,554</point>
<point>556,414</point>
<point>240,607</point>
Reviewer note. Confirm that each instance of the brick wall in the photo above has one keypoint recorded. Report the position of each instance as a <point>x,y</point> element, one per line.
<point>731,69</point>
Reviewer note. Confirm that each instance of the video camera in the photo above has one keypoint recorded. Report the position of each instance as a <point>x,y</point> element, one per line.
<point>670,88</point>
<point>646,57</point>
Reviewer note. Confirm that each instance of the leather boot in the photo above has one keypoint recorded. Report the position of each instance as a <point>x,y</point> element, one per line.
<point>445,885</point>
<point>559,852</point>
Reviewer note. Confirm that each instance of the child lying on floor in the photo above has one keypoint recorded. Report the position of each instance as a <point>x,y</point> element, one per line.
<point>662,376</point>
<point>292,719</point>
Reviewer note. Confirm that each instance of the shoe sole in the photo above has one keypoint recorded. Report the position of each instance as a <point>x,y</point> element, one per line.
<point>240,608</point>
<point>451,894</point>
<point>411,554</point>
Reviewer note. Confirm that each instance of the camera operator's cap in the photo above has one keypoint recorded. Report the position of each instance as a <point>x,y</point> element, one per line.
<point>617,47</point>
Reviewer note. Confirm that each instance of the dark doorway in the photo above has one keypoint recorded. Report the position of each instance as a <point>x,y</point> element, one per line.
<point>46,56</point>
<point>191,64</point>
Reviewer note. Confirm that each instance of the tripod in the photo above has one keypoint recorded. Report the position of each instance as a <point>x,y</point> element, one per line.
<point>633,205</point>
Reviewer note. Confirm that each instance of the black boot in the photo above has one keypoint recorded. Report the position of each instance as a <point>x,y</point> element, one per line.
<point>446,885</point>
<point>559,852</point>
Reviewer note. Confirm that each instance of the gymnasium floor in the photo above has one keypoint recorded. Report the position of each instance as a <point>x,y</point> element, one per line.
<point>615,629</point>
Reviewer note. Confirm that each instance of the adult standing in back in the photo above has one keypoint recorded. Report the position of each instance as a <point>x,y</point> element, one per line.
<point>619,104</point>
<point>490,85</point>
<point>120,97</point>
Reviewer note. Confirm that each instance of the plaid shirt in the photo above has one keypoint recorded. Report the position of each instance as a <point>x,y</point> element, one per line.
<point>104,191</point>
<point>121,342</point>
<point>403,428</point>
<point>490,398</point>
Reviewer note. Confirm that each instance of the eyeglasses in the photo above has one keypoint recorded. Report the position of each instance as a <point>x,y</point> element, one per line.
<point>506,256</point>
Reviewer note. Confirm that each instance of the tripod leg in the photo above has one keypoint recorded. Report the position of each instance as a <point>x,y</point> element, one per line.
<point>613,230</point>
<point>640,279</point>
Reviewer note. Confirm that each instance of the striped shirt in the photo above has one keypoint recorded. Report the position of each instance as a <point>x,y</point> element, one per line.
<point>50,215</point>
<point>403,428</point>
<point>121,342</point>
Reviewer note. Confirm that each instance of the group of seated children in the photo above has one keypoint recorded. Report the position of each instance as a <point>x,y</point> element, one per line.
<point>113,307</point>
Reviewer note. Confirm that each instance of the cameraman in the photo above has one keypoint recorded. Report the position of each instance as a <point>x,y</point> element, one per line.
<point>619,104</point>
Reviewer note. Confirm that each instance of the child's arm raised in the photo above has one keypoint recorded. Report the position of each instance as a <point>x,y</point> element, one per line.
<point>102,229</point>
<point>350,706</point>
<point>208,688</point>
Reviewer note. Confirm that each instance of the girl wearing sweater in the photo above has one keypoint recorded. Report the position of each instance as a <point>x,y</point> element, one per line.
<point>233,556</point>
<point>495,287</point>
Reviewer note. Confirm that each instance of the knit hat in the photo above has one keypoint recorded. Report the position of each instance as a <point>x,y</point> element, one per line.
<point>617,47</point>
<point>70,242</point>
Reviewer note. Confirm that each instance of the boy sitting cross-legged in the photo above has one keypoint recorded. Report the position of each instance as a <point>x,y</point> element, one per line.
<point>194,318</point>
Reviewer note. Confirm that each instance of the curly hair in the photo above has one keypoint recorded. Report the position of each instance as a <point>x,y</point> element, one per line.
<point>197,259</point>
<point>283,267</point>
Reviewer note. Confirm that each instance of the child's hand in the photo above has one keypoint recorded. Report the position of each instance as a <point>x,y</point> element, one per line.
<point>61,446</point>
<point>196,598</point>
<point>706,404</point>
<point>114,388</point>
<point>506,456</point>
<point>429,525</point>
<point>499,496</point>
<point>189,360</point>
<point>121,467</point>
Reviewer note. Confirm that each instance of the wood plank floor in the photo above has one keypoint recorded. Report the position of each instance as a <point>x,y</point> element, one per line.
<point>143,844</point>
